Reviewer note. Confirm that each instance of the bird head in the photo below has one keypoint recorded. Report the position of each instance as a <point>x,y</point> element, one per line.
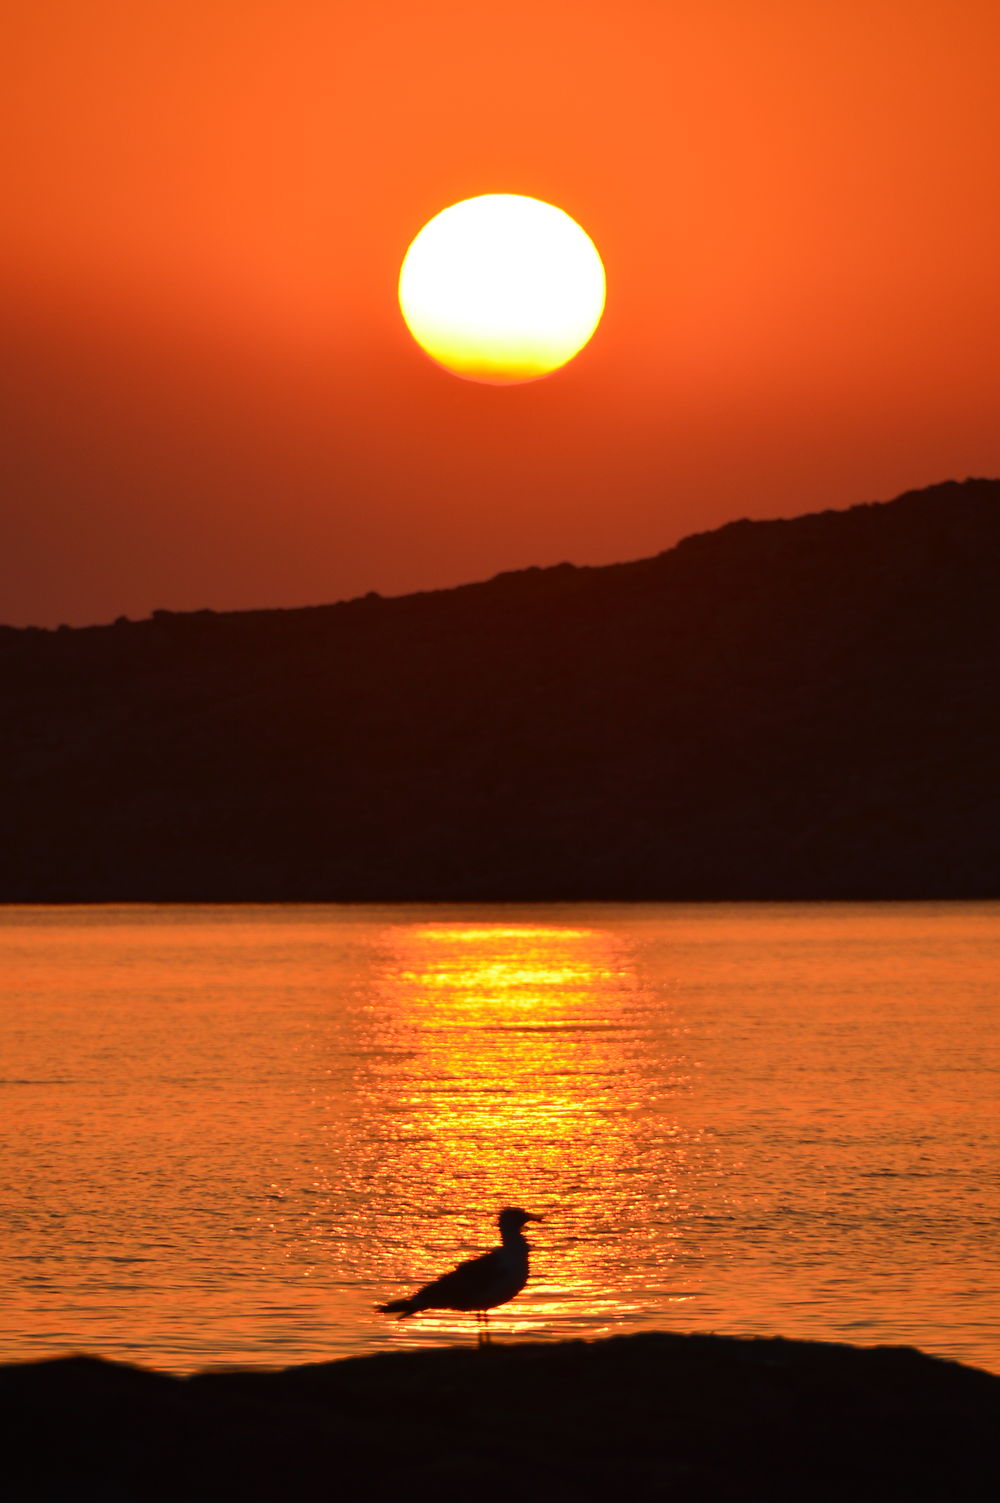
<point>512,1218</point>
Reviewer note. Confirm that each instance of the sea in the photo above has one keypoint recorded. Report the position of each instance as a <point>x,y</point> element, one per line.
<point>230,1132</point>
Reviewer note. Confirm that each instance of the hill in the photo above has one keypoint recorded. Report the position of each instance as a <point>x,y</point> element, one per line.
<point>788,709</point>
<point>655,1416</point>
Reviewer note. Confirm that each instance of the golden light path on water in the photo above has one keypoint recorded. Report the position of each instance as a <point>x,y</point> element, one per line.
<point>521,1050</point>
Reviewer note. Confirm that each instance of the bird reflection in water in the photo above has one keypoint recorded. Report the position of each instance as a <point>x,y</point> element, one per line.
<point>512,1059</point>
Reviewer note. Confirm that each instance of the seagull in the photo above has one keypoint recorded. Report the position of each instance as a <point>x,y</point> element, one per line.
<point>480,1283</point>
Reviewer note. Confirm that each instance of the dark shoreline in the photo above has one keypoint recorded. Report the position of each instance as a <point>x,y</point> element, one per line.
<point>656,1415</point>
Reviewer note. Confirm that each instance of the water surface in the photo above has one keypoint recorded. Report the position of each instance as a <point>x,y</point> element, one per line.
<point>230,1131</point>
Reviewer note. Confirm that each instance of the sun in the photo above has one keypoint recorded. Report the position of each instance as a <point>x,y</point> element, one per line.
<point>502,288</point>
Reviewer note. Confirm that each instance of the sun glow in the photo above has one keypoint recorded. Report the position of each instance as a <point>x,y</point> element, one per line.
<point>502,288</point>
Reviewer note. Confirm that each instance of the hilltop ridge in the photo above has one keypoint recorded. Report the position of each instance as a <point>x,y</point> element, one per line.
<point>781,709</point>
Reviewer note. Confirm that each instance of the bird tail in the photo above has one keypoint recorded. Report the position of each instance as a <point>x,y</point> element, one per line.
<point>404,1307</point>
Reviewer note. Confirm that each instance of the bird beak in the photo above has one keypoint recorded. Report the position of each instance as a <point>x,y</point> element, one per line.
<point>528,1217</point>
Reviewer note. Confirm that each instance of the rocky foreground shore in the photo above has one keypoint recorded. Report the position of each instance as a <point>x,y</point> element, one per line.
<point>680,1417</point>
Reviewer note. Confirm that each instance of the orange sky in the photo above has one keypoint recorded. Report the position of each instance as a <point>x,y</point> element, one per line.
<point>209,397</point>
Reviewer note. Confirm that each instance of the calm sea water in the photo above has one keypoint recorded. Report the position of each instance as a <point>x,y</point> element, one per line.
<point>229,1132</point>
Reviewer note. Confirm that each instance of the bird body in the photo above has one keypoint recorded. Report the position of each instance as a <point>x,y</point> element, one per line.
<point>479,1283</point>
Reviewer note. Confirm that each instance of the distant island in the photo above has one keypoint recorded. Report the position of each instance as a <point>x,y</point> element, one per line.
<point>656,1416</point>
<point>805,709</point>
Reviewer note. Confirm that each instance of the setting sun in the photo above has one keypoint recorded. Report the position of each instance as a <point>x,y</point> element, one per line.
<point>502,288</point>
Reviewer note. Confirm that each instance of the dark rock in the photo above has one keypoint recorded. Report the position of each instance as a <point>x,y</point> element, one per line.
<point>684,1417</point>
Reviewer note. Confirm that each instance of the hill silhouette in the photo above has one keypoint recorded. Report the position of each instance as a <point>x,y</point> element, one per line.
<point>787,709</point>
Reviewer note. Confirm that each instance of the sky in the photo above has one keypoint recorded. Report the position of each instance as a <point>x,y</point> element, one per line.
<point>209,397</point>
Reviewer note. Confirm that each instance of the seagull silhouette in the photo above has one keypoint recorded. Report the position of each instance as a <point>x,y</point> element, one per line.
<point>480,1283</point>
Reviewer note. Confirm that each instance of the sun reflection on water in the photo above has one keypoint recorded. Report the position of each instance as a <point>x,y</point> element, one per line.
<point>519,1058</point>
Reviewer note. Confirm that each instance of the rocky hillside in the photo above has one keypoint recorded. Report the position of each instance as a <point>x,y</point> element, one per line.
<point>792,709</point>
